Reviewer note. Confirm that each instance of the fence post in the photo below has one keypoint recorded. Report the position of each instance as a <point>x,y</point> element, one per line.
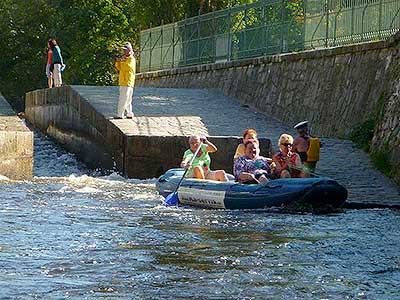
<point>245,28</point>
<point>151,49</point>
<point>229,35</point>
<point>214,40</point>
<point>198,36</point>
<point>281,42</point>
<point>139,49</point>
<point>303,40</point>
<point>327,23</point>
<point>173,42</point>
<point>162,43</point>
<point>352,24</point>
<point>380,19</point>
<point>265,36</point>
<point>184,42</point>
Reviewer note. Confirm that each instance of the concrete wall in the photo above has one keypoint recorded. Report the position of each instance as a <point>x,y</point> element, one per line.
<point>66,116</point>
<point>70,120</point>
<point>16,145</point>
<point>160,153</point>
<point>332,88</point>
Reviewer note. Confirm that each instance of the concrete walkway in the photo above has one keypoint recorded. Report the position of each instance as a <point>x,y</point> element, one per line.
<point>161,111</point>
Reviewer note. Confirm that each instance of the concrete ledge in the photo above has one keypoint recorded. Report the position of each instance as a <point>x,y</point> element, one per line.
<point>68,118</point>
<point>16,145</point>
<point>75,123</point>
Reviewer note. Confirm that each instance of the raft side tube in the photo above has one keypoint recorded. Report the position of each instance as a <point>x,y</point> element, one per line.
<point>321,191</point>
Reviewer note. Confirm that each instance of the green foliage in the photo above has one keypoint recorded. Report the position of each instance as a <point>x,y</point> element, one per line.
<point>362,134</point>
<point>89,33</point>
<point>381,161</point>
<point>24,29</point>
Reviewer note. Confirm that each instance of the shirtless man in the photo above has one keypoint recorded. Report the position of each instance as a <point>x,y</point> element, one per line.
<point>301,145</point>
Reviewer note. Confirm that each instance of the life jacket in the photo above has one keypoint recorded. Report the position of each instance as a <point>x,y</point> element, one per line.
<point>313,149</point>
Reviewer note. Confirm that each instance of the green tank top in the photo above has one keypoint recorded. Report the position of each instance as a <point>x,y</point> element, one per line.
<point>202,160</point>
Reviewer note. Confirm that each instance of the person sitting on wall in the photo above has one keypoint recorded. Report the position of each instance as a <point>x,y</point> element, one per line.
<point>251,168</point>
<point>307,146</point>
<point>287,162</point>
<point>200,168</point>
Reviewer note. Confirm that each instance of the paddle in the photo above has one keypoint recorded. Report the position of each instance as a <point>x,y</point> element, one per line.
<point>172,199</point>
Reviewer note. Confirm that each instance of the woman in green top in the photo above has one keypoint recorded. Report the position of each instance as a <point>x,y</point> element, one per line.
<point>200,168</point>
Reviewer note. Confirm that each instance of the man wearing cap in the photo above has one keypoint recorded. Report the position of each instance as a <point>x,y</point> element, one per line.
<point>126,65</point>
<point>307,147</point>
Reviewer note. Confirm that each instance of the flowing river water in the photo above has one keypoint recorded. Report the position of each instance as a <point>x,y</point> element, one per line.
<point>71,233</point>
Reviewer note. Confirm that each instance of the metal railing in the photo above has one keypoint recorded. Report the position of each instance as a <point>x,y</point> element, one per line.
<point>264,28</point>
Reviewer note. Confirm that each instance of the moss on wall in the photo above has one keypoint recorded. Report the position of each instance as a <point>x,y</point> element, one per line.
<point>381,161</point>
<point>362,133</point>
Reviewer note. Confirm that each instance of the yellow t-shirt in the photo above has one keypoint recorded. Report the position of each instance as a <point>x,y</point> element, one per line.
<point>127,71</point>
<point>240,151</point>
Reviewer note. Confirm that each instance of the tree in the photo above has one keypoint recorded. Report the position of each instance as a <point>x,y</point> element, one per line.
<point>89,32</point>
<point>24,26</point>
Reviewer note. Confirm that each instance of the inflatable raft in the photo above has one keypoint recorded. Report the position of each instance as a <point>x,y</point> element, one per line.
<point>314,193</point>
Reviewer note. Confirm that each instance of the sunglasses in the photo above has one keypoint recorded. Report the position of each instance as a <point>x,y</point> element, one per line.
<point>287,145</point>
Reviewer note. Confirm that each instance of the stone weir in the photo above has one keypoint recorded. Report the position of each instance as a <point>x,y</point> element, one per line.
<point>16,145</point>
<point>80,119</point>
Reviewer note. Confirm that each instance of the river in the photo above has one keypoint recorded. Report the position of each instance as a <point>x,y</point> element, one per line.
<point>72,233</point>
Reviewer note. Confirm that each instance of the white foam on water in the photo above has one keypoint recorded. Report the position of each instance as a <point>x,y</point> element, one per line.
<point>50,160</point>
<point>114,176</point>
<point>80,179</point>
<point>88,190</point>
<point>63,189</point>
<point>4,178</point>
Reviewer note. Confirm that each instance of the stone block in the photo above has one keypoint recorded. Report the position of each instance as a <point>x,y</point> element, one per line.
<point>16,145</point>
<point>151,156</point>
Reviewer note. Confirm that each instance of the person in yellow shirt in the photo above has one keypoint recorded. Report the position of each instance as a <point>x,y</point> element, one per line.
<point>126,66</point>
<point>250,134</point>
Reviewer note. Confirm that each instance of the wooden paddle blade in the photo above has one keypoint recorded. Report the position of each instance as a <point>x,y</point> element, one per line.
<point>172,199</point>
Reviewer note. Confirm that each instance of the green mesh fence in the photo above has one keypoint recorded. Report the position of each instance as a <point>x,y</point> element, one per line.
<point>265,28</point>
